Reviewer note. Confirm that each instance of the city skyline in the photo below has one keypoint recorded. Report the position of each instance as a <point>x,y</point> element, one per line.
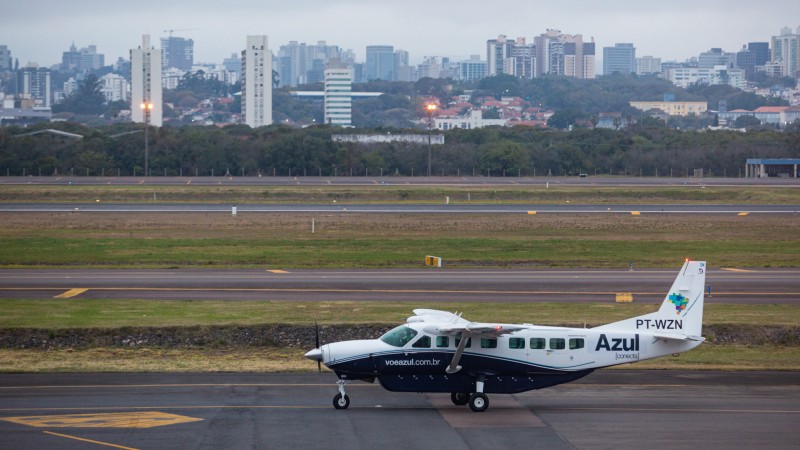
<point>676,31</point>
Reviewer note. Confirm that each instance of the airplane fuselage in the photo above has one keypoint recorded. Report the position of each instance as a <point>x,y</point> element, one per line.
<point>528,359</point>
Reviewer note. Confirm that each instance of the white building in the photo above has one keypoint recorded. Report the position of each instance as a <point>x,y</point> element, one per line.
<point>338,96</point>
<point>686,76</point>
<point>786,51</point>
<point>647,65</point>
<point>257,82</point>
<point>114,87</point>
<point>146,83</point>
<point>473,120</point>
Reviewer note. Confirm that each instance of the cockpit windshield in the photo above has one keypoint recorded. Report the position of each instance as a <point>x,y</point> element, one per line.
<point>399,336</point>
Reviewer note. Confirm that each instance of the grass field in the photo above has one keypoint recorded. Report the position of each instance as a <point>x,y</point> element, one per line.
<point>541,192</point>
<point>349,240</point>
<point>346,240</point>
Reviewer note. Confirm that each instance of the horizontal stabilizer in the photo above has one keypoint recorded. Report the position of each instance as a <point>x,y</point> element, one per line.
<point>679,337</point>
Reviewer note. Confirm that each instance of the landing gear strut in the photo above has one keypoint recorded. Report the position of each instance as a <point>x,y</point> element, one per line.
<point>478,401</point>
<point>341,400</point>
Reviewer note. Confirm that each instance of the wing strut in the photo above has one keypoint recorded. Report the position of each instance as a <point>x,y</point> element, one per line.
<point>454,367</point>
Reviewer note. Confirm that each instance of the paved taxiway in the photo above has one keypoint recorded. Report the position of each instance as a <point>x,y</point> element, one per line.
<point>545,285</point>
<point>607,409</point>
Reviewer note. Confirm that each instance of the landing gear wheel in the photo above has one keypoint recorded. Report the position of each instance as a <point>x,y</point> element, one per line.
<point>341,402</point>
<point>459,398</point>
<point>478,402</point>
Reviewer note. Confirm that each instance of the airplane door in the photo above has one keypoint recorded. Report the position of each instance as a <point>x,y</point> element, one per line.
<point>556,353</point>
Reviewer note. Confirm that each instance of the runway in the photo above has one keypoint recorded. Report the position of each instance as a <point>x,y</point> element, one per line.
<point>731,285</point>
<point>613,409</point>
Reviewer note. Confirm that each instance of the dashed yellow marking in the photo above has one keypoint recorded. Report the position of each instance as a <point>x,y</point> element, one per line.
<point>141,182</point>
<point>743,213</point>
<point>636,213</point>
<point>72,293</point>
<point>731,269</point>
<point>531,213</point>
<point>91,441</point>
<point>142,419</point>
<point>276,271</point>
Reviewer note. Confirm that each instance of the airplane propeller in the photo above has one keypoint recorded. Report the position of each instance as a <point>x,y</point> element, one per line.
<point>316,344</point>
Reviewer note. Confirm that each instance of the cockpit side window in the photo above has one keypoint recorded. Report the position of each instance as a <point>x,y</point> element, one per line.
<point>400,336</point>
<point>423,342</point>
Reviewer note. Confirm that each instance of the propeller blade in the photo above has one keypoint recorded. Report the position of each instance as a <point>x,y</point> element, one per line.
<point>316,341</point>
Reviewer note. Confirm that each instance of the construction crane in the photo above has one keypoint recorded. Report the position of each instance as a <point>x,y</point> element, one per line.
<point>179,29</point>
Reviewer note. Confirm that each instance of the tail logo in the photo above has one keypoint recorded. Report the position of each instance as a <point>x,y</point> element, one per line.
<point>679,301</point>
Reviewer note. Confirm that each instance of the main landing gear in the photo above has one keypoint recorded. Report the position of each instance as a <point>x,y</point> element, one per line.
<point>341,400</point>
<point>478,401</point>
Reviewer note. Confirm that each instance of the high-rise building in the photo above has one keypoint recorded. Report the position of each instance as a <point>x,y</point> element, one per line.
<point>177,52</point>
<point>564,54</point>
<point>84,60</point>
<point>257,82</point>
<point>715,57</point>
<point>472,69</point>
<point>761,50</point>
<point>621,58</point>
<point>786,52</point>
<point>34,83</point>
<point>299,63</point>
<point>380,62</point>
<point>755,54</point>
<point>498,51</point>
<point>5,59</point>
<point>146,84</point>
<point>647,65</point>
<point>338,95</point>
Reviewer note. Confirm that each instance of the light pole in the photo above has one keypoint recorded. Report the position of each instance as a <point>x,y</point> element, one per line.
<point>431,108</point>
<point>147,107</point>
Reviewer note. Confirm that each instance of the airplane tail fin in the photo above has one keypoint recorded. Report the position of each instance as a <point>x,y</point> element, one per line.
<point>681,312</point>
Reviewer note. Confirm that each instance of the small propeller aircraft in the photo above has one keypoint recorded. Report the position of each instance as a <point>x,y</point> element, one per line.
<point>438,351</point>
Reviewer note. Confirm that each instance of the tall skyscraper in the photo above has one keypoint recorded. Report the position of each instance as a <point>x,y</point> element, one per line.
<point>380,62</point>
<point>621,58</point>
<point>35,83</point>
<point>786,52</point>
<point>177,52</point>
<point>498,51</point>
<point>338,95</point>
<point>257,82</point>
<point>5,58</point>
<point>146,83</point>
<point>564,54</point>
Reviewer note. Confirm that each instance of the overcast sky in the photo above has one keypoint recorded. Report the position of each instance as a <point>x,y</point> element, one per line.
<point>40,30</point>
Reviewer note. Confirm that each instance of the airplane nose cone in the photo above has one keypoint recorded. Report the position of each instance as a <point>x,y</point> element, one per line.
<point>315,355</point>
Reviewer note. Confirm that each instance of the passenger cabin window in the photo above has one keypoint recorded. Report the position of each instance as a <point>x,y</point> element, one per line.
<point>399,336</point>
<point>538,344</point>
<point>516,343</point>
<point>488,343</point>
<point>467,345</point>
<point>442,341</point>
<point>557,344</point>
<point>575,343</point>
<point>423,342</point>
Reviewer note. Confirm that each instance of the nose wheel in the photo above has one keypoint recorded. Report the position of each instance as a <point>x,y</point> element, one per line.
<point>341,400</point>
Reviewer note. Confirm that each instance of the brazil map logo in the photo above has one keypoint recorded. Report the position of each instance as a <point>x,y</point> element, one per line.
<point>679,301</point>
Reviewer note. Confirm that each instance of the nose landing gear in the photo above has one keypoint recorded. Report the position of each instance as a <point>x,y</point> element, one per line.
<point>341,400</point>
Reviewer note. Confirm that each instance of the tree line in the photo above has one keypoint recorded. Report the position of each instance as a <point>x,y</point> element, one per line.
<point>647,148</point>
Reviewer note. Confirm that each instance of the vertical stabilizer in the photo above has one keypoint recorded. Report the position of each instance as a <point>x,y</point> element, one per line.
<point>681,312</point>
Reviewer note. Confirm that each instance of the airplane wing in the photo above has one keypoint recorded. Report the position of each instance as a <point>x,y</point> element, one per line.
<point>434,315</point>
<point>480,329</point>
<point>470,329</point>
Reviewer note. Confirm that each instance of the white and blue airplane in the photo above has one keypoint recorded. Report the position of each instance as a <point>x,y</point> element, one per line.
<point>438,351</point>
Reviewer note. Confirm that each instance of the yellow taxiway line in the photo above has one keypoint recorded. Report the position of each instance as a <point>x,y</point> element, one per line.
<point>72,293</point>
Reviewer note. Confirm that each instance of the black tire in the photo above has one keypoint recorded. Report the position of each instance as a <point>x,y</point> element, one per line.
<point>340,402</point>
<point>459,398</point>
<point>478,402</point>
